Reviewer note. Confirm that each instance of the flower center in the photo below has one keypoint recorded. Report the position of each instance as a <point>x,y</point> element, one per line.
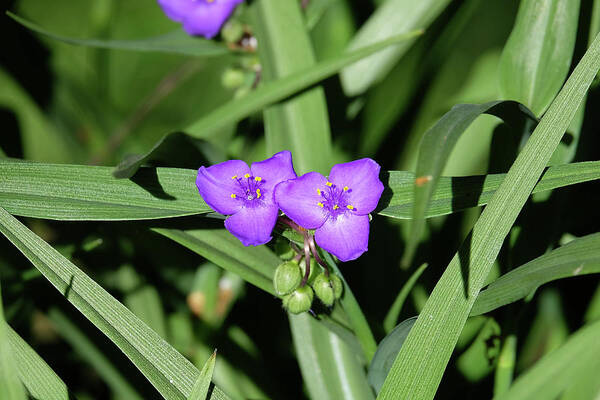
<point>335,199</point>
<point>248,189</point>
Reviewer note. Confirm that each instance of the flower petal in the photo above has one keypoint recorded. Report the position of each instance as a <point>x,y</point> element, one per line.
<point>253,225</point>
<point>346,236</point>
<point>273,170</point>
<point>216,185</point>
<point>298,199</point>
<point>177,10</point>
<point>362,179</point>
<point>206,18</point>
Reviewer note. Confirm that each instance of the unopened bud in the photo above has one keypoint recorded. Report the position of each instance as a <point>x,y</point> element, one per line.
<point>287,277</point>
<point>314,270</point>
<point>337,285</point>
<point>283,249</point>
<point>233,78</point>
<point>324,290</point>
<point>232,31</point>
<point>299,300</point>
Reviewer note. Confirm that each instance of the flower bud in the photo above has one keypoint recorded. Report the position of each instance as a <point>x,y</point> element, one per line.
<point>283,249</point>
<point>328,289</point>
<point>337,285</point>
<point>299,300</point>
<point>314,270</point>
<point>233,78</point>
<point>232,31</point>
<point>324,289</point>
<point>287,277</point>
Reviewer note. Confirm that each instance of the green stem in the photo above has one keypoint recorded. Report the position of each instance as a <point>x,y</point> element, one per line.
<point>355,315</point>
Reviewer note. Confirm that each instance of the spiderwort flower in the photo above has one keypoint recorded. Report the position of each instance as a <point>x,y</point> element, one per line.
<point>337,208</point>
<point>246,194</point>
<point>199,17</point>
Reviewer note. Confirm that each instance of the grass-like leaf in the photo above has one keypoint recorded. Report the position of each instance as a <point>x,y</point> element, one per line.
<point>435,149</point>
<point>557,371</point>
<point>328,366</point>
<point>279,89</point>
<point>200,389</point>
<point>177,42</point>
<point>94,356</point>
<point>422,360</point>
<point>255,265</point>
<point>579,257</point>
<point>72,192</point>
<point>392,316</point>
<point>85,193</point>
<point>10,385</point>
<point>170,372</point>
<point>37,376</point>
<point>391,18</point>
<point>537,55</point>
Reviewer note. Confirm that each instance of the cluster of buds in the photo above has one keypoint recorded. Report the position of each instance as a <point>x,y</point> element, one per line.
<point>299,281</point>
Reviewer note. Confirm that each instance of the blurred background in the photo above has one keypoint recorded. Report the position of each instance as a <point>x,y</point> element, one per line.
<point>62,103</point>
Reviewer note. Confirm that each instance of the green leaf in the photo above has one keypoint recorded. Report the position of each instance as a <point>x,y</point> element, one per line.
<point>505,368</point>
<point>329,368</point>
<point>177,42</point>
<point>79,192</point>
<point>579,257</point>
<point>284,52</point>
<point>279,89</point>
<point>253,264</point>
<point>392,18</point>
<point>481,357</point>
<point>170,373</point>
<point>422,360</point>
<point>435,149</point>
<point>355,315</point>
<point>549,377</point>
<point>41,140</point>
<point>37,376</point>
<point>190,153</point>
<point>386,353</point>
<point>392,316</point>
<point>200,389</point>
<point>11,387</point>
<point>87,350</point>
<point>537,55</point>
<point>71,192</point>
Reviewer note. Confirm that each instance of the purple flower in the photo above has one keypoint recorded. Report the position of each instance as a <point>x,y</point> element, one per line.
<point>337,208</point>
<point>199,17</point>
<point>246,194</point>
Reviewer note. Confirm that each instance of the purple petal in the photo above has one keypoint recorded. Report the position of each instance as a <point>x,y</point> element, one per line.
<point>273,170</point>
<point>253,225</point>
<point>216,185</point>
<point>346,236</point>
<point>177,10</point>
<point>299,199</point>
<point>206,18</point>
<point>362,179</point>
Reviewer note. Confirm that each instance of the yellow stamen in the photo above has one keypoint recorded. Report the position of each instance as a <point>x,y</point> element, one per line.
<point>349,207</point>
<point>234,177</point>
<point>320,204</point>
<point>346,188</point>
<point>258,179</point>
<point>233,196</point>
<point>336,207</point>
<point>319,191</point>
<point>258,193</point>
<point>329,184</point>
<point>247,176</point>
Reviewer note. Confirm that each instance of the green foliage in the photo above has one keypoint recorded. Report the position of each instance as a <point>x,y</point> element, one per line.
<point>108,110</point>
